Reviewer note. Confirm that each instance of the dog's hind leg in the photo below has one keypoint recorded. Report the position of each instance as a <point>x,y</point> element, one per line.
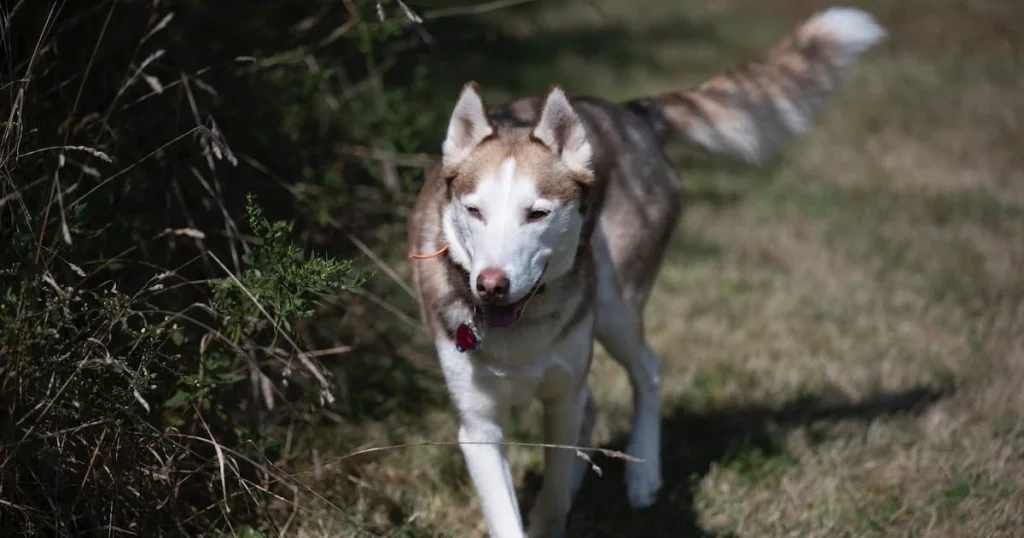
<point>566,402</point>
<point>562,419</point>
<point>620,332</point>
<point>585,441</point>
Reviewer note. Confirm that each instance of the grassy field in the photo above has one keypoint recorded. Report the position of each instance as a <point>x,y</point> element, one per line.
<point>843,331</point>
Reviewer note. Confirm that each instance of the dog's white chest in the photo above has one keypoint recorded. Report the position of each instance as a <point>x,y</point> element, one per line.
<point>548,374</point>
<point>511,369</point>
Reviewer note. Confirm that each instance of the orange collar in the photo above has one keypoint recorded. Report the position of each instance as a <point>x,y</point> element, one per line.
<point>428,256</point>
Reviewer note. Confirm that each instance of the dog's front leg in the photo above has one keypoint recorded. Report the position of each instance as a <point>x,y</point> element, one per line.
<point>482,409</point>
<point>481,438</point>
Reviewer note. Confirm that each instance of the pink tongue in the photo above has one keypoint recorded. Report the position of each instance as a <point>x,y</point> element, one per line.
<point>501,316</point>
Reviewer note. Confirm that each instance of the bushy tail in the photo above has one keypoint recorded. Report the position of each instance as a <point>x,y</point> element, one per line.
<point>752,112</point>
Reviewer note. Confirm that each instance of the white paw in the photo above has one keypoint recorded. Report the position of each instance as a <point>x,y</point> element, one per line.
<point>643,479</point>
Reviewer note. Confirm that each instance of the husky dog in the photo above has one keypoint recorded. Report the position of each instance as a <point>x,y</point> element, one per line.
<point>544,226</point>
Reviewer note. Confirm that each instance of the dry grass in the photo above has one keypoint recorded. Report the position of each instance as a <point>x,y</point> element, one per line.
<point>843,333</point>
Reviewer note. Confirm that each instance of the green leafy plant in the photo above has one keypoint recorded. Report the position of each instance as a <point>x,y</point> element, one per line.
<point>280,283</point>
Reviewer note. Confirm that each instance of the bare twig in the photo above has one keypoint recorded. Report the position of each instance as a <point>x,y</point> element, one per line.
<point>132,166</point>
<point>412,322</point>
<point>380,263</point>
<point>74,109</point>
<point>412,160</point>
<point>339,350</point>
<point>476,9</point>
<point>220,458</point>
<point>580,451</point>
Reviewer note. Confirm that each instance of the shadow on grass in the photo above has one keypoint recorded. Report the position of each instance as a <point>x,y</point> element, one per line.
<point>692,443</point>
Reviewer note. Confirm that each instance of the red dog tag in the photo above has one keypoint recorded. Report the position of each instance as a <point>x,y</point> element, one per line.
<point>466,338</point>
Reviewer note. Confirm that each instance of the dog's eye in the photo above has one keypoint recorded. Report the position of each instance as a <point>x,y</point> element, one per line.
<point>536,214</point>
<point>473,212</point>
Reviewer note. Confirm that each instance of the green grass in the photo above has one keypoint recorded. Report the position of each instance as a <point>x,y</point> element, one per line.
<point>842,332</point>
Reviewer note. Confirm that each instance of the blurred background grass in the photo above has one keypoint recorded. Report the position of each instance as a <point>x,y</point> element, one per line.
<point>202,207</point>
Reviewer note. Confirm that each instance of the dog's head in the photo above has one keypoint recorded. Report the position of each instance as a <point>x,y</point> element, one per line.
<point>515,214</point>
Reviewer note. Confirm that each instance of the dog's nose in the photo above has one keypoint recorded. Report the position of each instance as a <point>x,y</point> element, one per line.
<point>492,284</point>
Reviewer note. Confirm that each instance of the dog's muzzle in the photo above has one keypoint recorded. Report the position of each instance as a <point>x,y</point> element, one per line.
<point>506,315</point>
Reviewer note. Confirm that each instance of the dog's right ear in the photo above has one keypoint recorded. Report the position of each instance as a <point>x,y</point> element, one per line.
<point>468,126</point>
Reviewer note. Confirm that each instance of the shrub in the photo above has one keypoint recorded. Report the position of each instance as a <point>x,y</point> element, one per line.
<point>148,355</point>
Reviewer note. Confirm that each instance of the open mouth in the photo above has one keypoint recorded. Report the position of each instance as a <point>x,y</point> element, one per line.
<point>503,315</point>
<point>506,315</point>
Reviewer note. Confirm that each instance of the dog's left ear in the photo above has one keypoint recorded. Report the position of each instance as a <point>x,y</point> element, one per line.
<point>561,129</point>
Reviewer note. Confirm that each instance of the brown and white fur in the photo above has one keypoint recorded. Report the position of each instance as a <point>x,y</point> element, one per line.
<point>569,203</point>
